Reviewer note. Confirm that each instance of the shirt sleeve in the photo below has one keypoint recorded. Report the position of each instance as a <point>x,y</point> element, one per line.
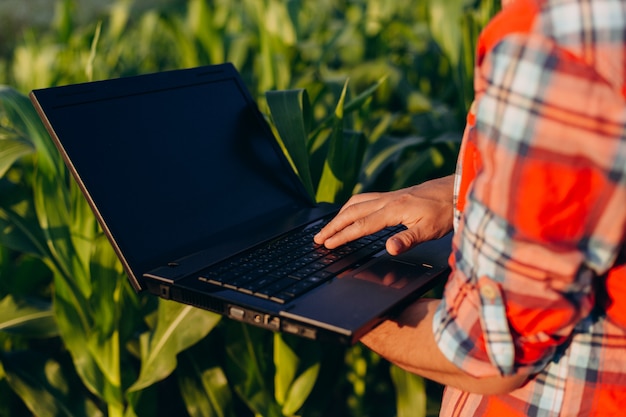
<point>544,214</point>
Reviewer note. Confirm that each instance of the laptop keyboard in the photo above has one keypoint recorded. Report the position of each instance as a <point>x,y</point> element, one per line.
<point>301,266</point>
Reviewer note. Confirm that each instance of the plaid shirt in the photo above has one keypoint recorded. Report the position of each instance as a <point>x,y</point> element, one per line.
<point>538,278</point>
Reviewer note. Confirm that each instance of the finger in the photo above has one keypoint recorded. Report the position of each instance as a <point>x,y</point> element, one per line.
<point>407,239</point>
<point>353,211</point>
<point>360,199</point>
<point>362,225</point>
<point>400,242</point>
<point>351,232</point>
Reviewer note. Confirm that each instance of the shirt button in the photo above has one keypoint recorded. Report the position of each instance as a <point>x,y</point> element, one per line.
<point>488,292</point>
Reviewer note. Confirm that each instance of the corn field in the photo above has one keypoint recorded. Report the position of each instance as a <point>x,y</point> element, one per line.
<point>375,92</point>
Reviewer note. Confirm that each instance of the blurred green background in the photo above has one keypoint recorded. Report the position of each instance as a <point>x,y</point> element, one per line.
<point>381,87</point>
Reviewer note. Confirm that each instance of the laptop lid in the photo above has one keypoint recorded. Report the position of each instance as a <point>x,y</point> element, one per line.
<point>171,162</point>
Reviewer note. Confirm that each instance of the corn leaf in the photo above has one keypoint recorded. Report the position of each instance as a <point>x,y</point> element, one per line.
<point>75,323</point>
<point>178,327</point>
<point>297,364</point>
<point>84,229</point>
<point>301,389</point>
<point>28,318</point>
<point>44,386</point>
<point>103,341</point>
<point>286,362</point>
<point>53,213</point>
<point>345,157</point>
<point>445,26</point>
<point>247,368</point>
<point>12,148</point>
<point>19,227</point>
<point>291,115</point>
<point>410,393</point>
<point>384,155</point>
<point>203,385</point>
<point>17,110</point>
<point>350,106</point>
<point>300,379</point>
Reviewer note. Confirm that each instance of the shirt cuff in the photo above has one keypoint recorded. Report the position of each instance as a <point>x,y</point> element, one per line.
<point>472,330</point>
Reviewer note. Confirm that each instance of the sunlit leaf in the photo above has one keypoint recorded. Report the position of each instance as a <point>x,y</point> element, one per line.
<point>410,393</point>
<point>286,362</point>
<point>52,208</point>
<point>291,115</point>
<point>300,389</point>
<point>17,108</point>
<point>179,326</point>
<point>445,23</point>
<point>344,160</point>
<point>27,317</point>
<point>248,370</point>
<point>103,341</point>
<point>12,148</point>
<point>74,319</point>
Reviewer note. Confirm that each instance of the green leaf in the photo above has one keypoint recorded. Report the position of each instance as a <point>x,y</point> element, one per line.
<point>178,327</point>
<point>27,317</point>
<point>301,389</point>
<point>103,341</point>
<point>53,211</point>
<point>248,367</point>
<point>286,362</point>
<point>421,164</point>
<point>18,114</point>
<point>445,26</point>
<point>352,105</point>
<point>19,227</point>
<point>410,393</point>
<point>106,281</point>
<point>203,385</point>
<point>12,148</point>
<point>24,277</point>
<point>291,115</point>
<point>44,386</point>
<point>83,227</point>
<point>384,154</point>
<point>75,322</point>
<point>297,364</point>
<point>344,160</point>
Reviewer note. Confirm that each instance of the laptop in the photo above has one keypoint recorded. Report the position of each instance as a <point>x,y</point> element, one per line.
<point>202,207</point>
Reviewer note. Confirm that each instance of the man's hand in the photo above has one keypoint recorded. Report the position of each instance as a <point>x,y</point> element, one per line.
<point>426,210</point>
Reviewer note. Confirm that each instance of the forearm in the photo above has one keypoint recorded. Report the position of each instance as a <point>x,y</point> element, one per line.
<point>409,343</point>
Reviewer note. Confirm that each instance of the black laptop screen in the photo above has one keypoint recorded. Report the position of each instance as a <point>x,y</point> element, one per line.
<point>175,165</point>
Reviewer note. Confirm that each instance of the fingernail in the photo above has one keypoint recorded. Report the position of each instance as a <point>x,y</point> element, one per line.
<point>395,244</point>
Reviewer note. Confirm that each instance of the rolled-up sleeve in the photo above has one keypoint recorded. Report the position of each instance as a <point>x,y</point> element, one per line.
<point>545,212</point>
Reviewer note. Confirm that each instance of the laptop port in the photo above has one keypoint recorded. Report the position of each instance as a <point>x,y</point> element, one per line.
<point>164,292</point>
<point>237,313</point>
<point>308,333</point>
<point>272,323</point>
<point>291,328</point>
<point>300,330</point>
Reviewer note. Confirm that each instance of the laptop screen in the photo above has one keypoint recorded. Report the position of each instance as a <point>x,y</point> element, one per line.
<point>170,164</point>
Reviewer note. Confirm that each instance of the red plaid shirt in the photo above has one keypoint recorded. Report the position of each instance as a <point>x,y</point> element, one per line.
<point>538,277</point>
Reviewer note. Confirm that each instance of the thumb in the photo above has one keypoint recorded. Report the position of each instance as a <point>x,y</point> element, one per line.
<point>402,241</point>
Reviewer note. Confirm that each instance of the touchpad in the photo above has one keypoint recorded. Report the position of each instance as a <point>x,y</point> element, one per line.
<point>390,272</point>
